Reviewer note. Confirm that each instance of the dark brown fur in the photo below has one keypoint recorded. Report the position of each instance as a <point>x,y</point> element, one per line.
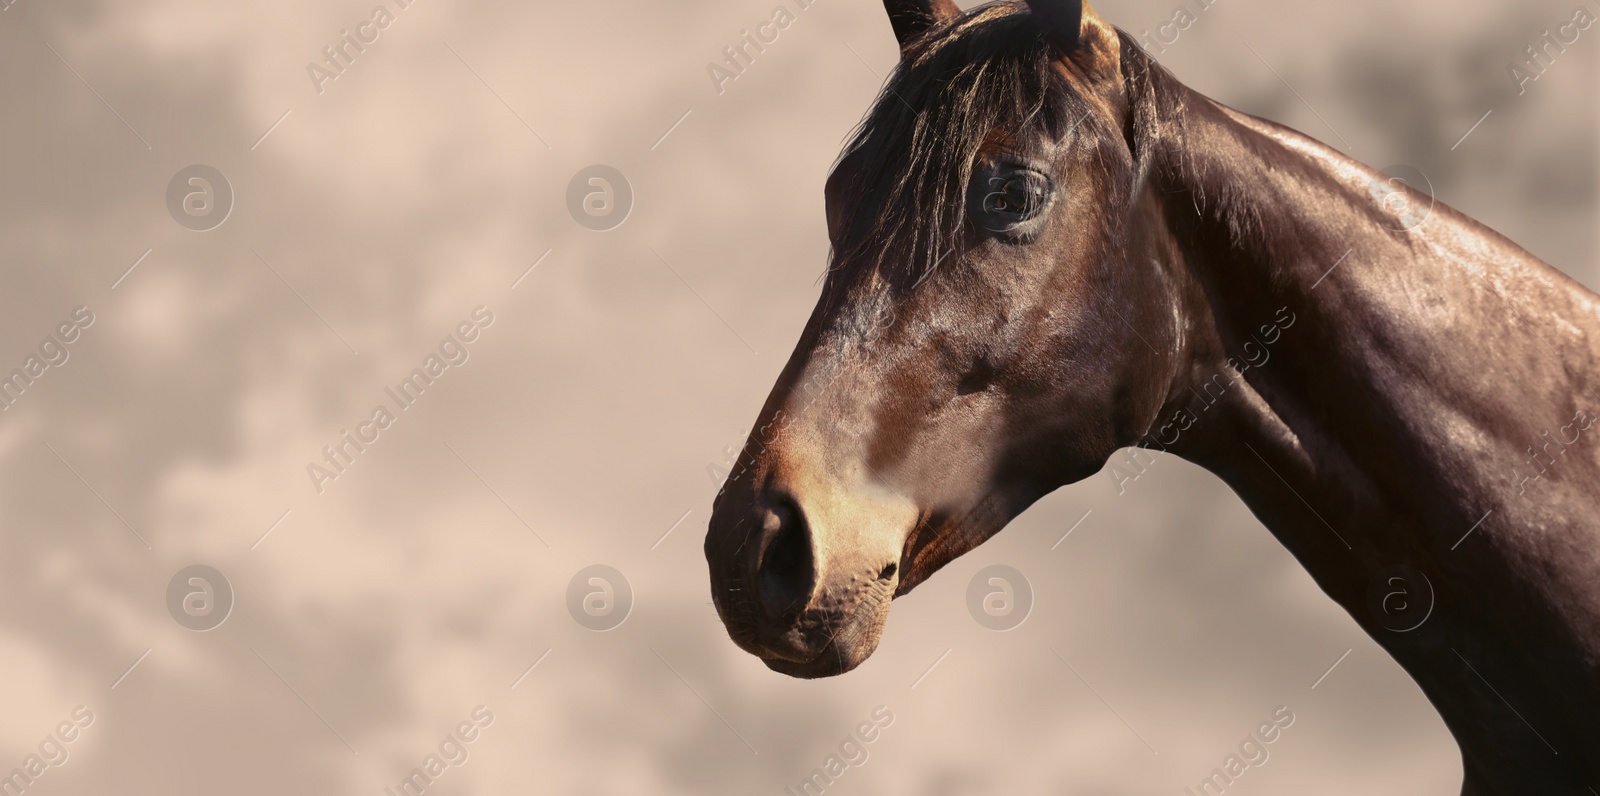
<point>950,376</point>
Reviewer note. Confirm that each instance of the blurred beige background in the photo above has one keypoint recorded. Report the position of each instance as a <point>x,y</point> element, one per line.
<point>372,219</point>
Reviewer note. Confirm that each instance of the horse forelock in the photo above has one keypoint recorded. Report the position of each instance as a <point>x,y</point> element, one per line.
<point>988,73</point>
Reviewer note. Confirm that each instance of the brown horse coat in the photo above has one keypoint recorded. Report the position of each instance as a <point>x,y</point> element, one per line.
<point>1047,248</point>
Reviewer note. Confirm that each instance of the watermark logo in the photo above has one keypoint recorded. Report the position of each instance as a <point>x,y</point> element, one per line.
<point>1167,33</point>
<point>1540,461</point>
<point>337,58</point>
<point>737,58</point>
<point>452,353</point>
<point>1256,352</point>
<point>852,754</point>
<point>1404,194</point>
<point>1400,598</point>
<point>1542,54</point>
<point>599,198</point>
<point>1253,753</point>
<point>53,753</point>
<point>599,598</point>
<point>452,753</point>
<point>199,597</point>
<point>740,56</point>
<point>53,352</point>
<point>999,597</point>
<point>199,198</point>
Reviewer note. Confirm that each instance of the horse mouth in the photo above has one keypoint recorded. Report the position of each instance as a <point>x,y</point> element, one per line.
<point>832,660</point>
<point>828,663</point>
<point>852,642</point>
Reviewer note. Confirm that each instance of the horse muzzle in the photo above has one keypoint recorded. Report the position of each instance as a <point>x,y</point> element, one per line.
<point>808,603</point>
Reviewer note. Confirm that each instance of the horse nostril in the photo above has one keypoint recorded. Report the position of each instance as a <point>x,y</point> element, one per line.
<point>787,572</point>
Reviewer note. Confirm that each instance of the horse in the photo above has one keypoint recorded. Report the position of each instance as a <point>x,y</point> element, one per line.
<point>1046,249</point>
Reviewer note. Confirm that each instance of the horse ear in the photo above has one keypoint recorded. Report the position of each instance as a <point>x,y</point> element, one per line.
<point>1062,21</point>
<point>912,18</point>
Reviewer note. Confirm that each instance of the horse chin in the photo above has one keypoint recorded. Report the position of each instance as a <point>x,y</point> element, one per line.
<point>835,659</point>
<point>849,644</point>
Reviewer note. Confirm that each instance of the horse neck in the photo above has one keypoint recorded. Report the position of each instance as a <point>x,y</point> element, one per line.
<point>1266,225</point>
<point>1345,337</point>
<point>1405,416</point>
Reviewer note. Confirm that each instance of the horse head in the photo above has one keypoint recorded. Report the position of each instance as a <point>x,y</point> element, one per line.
<point>977,343</point>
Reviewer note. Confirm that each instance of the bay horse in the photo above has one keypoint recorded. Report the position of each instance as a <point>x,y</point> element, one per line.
<point>1047,249</point>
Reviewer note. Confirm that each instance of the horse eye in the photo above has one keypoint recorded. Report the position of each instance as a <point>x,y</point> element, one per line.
<point>1013,198</point>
